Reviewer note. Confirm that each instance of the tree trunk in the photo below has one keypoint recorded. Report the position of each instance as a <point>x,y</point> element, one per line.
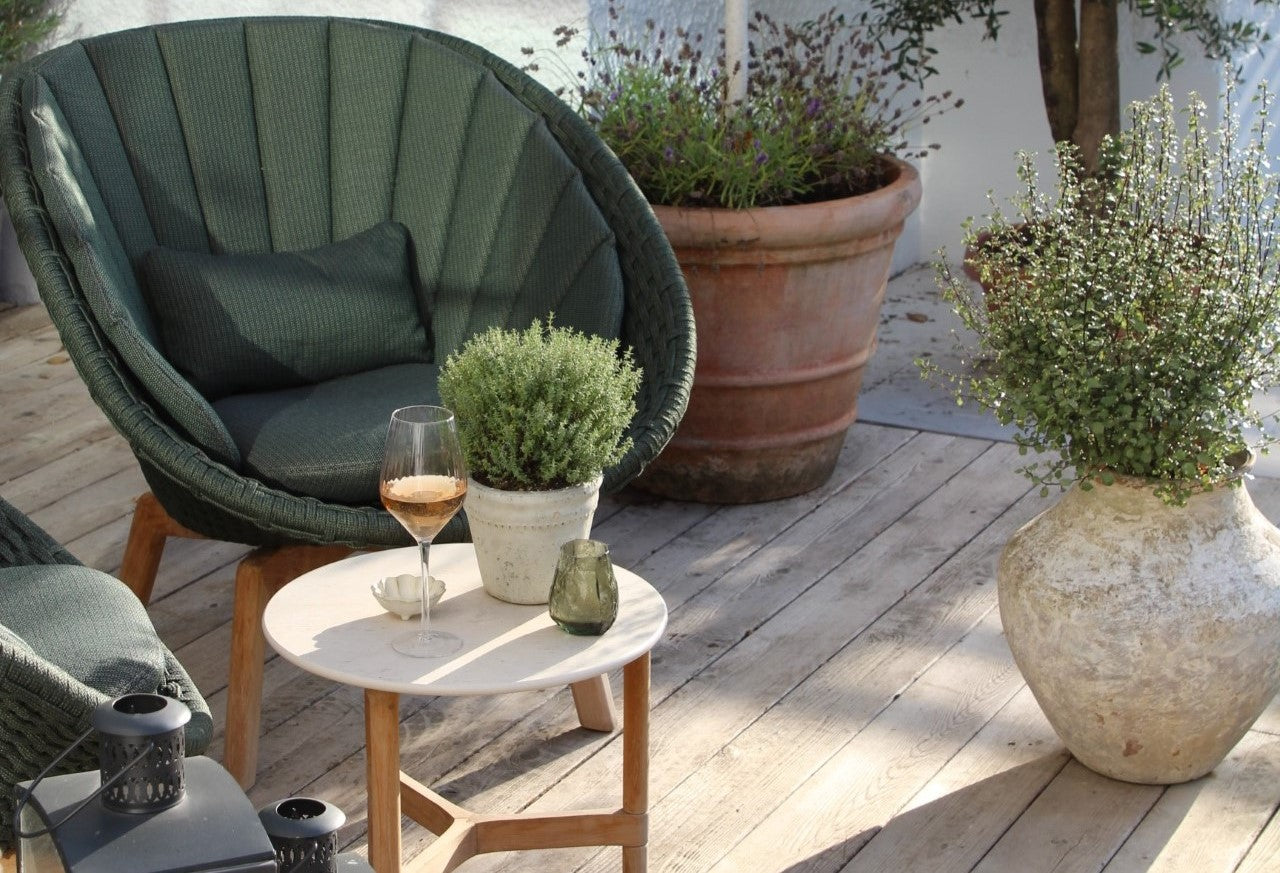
<point>1099,112</point>
<point>1059,76</point>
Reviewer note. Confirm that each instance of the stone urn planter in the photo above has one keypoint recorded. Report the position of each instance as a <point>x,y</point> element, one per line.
<point>786,300</point>
<point>1149,634</point>
<point>518,534</point>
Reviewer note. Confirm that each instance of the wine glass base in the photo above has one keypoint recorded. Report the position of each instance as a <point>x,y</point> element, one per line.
<point>432,644</point>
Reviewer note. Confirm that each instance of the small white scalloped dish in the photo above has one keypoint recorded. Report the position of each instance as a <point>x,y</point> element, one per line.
<point>402,595</point>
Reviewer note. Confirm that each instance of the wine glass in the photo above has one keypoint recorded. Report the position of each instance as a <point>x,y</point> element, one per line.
<point>424,481</point>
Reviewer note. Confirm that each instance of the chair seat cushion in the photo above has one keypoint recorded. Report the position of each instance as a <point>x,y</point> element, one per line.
<point>326,440</point>
<point>262,322</point>
<point>85,622</point>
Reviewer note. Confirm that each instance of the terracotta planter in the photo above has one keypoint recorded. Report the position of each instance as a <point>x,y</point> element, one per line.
<point>786,300</point>
<point>1149,634</point>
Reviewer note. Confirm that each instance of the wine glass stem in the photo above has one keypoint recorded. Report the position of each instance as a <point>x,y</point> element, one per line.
<point>424,617</point>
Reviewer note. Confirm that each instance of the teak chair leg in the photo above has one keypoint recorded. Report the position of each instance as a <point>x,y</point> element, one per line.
<point>150,528</point>
<point>262,573</point>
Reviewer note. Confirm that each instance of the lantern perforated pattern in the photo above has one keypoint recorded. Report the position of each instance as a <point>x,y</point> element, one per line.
<point>304,832</point>
<point>157,781</point>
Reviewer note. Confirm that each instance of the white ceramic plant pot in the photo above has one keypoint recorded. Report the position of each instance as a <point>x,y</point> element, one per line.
<point>1149,634</point>
<point>518,534</point>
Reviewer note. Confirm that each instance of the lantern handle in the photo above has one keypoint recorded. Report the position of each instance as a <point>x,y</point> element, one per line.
<point>25,794</point>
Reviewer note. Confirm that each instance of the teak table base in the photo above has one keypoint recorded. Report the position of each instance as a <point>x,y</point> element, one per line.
<point>463,834</point>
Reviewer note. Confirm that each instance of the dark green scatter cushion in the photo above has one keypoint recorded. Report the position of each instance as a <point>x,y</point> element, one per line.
<point>265,322</point>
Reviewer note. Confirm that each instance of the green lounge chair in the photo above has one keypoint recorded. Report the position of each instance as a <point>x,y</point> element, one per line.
<point>258,237</point>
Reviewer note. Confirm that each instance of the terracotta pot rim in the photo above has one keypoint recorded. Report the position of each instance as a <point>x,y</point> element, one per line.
<point>802,224</point>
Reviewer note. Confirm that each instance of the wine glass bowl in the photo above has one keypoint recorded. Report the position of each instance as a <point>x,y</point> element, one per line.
<point>423,485</point>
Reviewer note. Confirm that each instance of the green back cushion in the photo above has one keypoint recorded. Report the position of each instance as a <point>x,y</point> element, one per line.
<point>89,237</point>
<point>262,322</point>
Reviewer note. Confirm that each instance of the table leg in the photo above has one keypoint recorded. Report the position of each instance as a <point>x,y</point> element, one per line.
<point>635,755</point>
<point>382,763</point>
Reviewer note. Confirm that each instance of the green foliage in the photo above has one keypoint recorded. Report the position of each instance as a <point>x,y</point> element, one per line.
<point>542,408</point>
<point>1219,36</point>
<point>23,24</point>
<point>902,27</point>
<point>1132,317</point>
<point>820,110</point>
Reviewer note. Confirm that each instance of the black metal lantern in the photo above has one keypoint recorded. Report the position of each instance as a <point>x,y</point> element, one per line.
<point>141,746</point>
<point>157,812</point>
<point>304,831</point>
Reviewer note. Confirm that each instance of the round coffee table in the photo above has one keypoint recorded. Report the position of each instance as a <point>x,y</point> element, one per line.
<point>327,623</point>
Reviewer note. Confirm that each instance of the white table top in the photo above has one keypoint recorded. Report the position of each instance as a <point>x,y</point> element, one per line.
<point>328,623</point>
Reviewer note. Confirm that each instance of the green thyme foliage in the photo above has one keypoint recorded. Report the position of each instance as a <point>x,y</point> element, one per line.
<point>23,24</point>
<point>1128,332</point>
<point>822,105</point>
<point>542,408</point>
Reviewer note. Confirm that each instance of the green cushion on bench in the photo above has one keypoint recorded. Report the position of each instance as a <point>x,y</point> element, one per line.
<point>326,440</point>
<point>108,643</point>
<point>264,322</point>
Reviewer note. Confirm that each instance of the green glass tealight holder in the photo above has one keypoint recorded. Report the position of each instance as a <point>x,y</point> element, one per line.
<point>584,594</point>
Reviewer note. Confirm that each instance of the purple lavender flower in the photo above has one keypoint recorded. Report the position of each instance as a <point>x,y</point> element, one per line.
<point>812,106</point>
<point>669,154</point>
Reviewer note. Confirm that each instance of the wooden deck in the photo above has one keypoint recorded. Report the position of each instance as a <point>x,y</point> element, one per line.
<point>833,693</point>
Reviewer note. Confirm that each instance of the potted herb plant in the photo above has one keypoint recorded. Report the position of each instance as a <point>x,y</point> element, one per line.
<point>1143,608</point>
<point>541,413</point>
<point>783,209</point>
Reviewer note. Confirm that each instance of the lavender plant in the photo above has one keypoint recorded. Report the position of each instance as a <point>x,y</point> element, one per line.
<point>823,104</point>
<point>1128,335</point>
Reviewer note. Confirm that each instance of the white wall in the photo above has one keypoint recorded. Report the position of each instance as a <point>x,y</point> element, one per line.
<point>1004,113</point>
<point>999,81</point>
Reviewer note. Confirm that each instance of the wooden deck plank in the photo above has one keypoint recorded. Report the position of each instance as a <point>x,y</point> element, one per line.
<point>1075,826</point>
<point>98,503</point>
<point>64,475</point>
<point>951,823</point>
<point>28,347</point>
<point>1207,826</point>
<point>1264,854</point>
<point>20,321</point>
<point>51,440</point>
<point>827,819</point>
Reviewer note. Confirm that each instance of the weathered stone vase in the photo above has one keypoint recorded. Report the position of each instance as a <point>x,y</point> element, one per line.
<point>1149,634</point>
